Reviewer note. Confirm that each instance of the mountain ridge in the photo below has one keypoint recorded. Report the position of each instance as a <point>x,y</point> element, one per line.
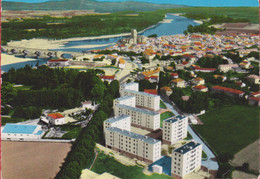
<point>87,5</point>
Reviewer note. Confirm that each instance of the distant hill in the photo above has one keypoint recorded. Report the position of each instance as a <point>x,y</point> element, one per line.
<point>87,5</point>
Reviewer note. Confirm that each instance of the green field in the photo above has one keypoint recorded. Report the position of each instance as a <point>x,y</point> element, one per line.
<point>162,105</point>
<point>250,13</point>
<point>229,129</point>
<point>164,116</point>
<point>105,163</point>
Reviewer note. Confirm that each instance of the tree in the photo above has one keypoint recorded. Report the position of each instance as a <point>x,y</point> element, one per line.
<point>97,92</point>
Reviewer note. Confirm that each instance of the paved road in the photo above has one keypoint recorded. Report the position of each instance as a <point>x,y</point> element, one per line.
<point>210,164</point>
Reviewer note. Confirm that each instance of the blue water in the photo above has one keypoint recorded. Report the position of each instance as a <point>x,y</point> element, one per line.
<point>165,162</point>
<point>33,63</point>
<point>177,26</point>
<point>209,3</point>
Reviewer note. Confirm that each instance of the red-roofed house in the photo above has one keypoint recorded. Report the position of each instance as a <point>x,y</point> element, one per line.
<point>200,88</point>
<point>205,70</point>
<point>58,62</point>
<point>151,91</point>
<point>167,90</point>
<point>108,78</point>
<point>228,91</point>
<point>254,101</point>
<point>174,75</point>
<point>56,118</point>
<point>254,78</point>
<point>198,81</point>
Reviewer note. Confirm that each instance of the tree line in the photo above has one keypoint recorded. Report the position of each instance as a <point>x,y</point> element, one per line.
<point>82,152</point>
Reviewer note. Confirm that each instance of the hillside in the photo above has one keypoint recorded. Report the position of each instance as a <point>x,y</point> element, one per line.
<point>87,5</point>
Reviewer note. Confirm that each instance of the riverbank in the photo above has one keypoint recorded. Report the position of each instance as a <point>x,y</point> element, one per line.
<point>11,59</point>
<point>180,14</point>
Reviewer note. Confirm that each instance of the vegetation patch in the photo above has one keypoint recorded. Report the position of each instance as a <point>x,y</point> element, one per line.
<point>105,163</point>
<point>162,105</point>
<point>231,128</point>
<point>164,116</point>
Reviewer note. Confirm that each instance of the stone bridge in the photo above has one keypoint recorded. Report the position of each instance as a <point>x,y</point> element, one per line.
<point>37,53</point>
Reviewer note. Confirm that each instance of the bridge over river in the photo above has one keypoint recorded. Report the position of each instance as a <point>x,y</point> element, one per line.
<point>37,53</point>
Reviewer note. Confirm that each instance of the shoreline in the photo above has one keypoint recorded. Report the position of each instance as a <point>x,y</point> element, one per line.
<point>11,59</point>
<point>49,44</point>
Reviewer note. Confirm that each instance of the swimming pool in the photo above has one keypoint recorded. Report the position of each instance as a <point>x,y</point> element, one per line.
<point>165,162</point>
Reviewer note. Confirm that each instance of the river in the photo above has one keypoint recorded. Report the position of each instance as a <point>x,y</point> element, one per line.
<point>175,25</point>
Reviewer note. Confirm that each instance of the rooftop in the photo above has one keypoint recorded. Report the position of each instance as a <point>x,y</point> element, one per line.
<point>115,119</point>
<point>175,118</point>
<point>124,97</point>
<point>55,115</point>
<point>19,129</point>
<point>148,112</point>
<point>231,90</point>
<point>151,91</point>
<point>141,93</point>
<point>187,147</point>
<point>146,139</point>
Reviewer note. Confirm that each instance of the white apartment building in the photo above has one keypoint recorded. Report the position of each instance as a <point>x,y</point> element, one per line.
<point>129,86</point>
<point>133,145</point>
<point>121,122</point>
<point>141,118</point>
<point>126,100</point>
<point>175,129</point>
<point>144,100</point>
<point>186,159</point>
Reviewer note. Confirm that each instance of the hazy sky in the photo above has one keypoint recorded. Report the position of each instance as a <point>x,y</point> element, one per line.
<point>180,2</point>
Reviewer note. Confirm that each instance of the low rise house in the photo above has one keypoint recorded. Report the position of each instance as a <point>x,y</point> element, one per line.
<point>108,78</point>
<point>121,63</point>
<point>205,70</point>
<point>58,63</point>
<point>186,159</point>
<point>89,105</point>
<point>21,132</point>
<point>228,91</point>
<point>178,82</point>
<point>174,75</point>
<point>54,119</point>
<point>200,88</point>
<point>151,91</point>
<point>167,90</point>
<point>226,67</point>
<point>254,99</point>
<point>254,78</point>
<point>198,81</point>
<point>179,66</point>
<point>220,76</point>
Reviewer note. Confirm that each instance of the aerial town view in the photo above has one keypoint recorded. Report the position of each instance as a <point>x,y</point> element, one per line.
<point>143,89</point>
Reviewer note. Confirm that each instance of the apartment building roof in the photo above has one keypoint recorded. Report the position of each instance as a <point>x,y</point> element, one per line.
<point>187,147</point>
<point>175,118</point>
<point>115,119</point>
<point>133,135</point>
<point>128,84</point>
<point>148,112</point>
<point>141,93</point>
<point>124,98</point>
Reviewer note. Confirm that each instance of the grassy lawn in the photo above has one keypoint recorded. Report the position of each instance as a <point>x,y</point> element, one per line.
<point>105,163</point>
<point>165,115</point>
<point>5,120</point>
<point>73,131</point>
<point>189,137</point>
<point>229,129</point>
<point>162,105</point>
